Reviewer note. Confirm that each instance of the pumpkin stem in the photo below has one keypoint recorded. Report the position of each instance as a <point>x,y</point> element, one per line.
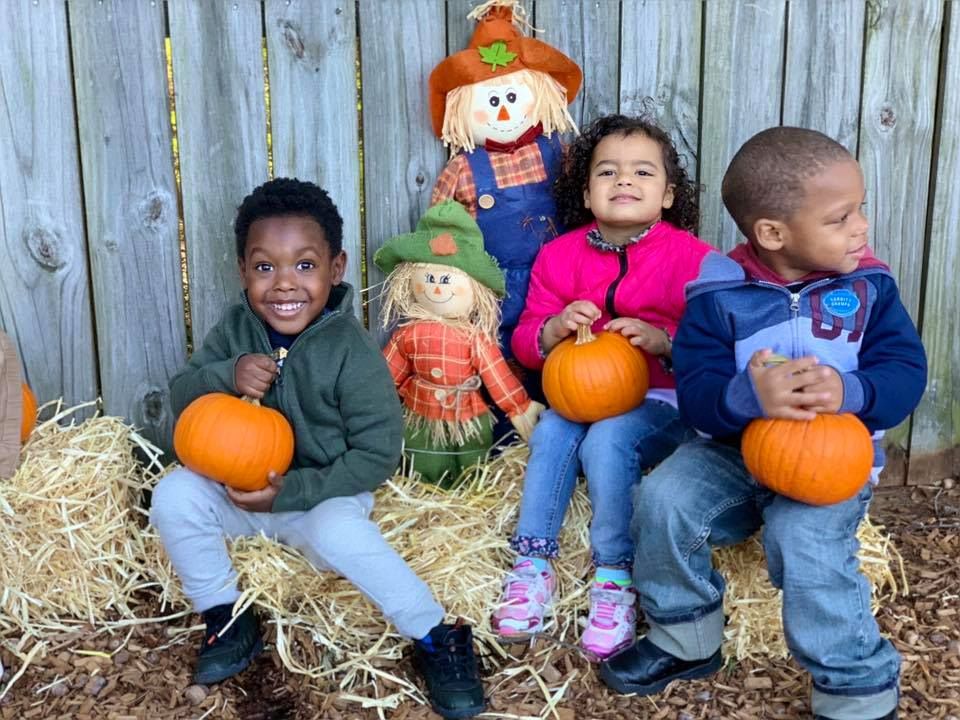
<point>253,401</point>
<point>584,335</point>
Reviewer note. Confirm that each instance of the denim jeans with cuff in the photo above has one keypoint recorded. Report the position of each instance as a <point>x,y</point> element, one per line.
<point>703,496</point>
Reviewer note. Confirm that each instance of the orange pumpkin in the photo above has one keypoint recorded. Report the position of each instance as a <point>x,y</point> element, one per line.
<point>28,417</point>
<point>819,462</point>
<point>232,440</point>
<point>592,377</point>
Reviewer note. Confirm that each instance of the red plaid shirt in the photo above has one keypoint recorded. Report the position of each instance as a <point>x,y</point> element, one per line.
<point>522,167</point>
<point>429,360</point>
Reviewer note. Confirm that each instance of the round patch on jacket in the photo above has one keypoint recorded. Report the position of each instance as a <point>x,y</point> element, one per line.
<point>842,303</point>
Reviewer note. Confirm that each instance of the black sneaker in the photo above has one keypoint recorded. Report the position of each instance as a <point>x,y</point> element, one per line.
<point>449,669</point>
<point>225,653</point>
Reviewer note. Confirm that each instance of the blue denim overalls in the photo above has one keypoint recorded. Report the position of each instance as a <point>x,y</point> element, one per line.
<point>515,225</point>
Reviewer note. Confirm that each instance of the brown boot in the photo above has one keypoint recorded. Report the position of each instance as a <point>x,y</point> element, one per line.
<point>11,407</point>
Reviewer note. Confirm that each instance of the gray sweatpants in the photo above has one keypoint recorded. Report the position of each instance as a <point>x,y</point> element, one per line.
<point>194,516</point>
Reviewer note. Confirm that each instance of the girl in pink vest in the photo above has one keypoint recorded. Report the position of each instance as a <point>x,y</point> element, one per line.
<point>623,269</point>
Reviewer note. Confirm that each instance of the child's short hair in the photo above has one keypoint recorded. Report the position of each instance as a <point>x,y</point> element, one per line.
<point>289,196</point>
<point>575,175</point>
<point>765,178</point>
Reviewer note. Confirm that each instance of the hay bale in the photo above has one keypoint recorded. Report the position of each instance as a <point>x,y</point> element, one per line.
<point>71,552</point>
<point>456,540</point>
<point>74,554</point>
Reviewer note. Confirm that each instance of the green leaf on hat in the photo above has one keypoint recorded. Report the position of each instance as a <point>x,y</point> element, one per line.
<point>496,54</point>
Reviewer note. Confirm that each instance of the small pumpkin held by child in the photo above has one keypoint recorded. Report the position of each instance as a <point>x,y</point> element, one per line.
<point>593,377</point>
<point>235,441</point>
<point>822,461</point>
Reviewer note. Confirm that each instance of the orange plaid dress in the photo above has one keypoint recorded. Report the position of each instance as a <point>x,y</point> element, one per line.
<point>438,372</point>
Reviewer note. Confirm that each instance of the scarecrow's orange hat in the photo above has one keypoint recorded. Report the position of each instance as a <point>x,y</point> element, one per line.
<point>497,48</point>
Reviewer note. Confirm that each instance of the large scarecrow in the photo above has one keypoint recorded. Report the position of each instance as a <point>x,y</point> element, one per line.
<point>442,293</point>
<point>499,105</point>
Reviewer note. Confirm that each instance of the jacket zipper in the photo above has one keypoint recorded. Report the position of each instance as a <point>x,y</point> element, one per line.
<point>795,307</point>
<point>612,288</point>
<point>266,341</point>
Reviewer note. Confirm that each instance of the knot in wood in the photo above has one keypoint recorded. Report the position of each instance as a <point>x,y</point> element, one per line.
<point>293,40</point>
<point>155,209</point>
<point>152,405</point>
<point>888,118</point>
<point>46,246</point>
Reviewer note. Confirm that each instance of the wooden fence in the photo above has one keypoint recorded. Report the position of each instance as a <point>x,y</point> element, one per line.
<point>93,282</point>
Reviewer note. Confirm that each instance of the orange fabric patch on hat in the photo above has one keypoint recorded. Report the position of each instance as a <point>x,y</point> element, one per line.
<point>443,244</point>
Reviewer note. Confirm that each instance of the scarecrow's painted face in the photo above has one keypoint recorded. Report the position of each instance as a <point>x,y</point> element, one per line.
<point>443,291</point>
<point>502,109</point>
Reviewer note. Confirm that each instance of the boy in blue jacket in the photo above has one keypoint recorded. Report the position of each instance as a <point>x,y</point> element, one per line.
<point>804,286</point>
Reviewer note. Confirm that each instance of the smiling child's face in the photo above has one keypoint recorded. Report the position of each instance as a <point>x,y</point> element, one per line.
<point>442,290</point>
<point>287,271</point>
<point>627,189</point>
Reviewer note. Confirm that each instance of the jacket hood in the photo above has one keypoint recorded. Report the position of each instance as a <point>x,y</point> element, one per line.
<point>742,265</point>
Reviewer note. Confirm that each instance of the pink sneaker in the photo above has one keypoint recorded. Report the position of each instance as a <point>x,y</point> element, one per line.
<point>612,622</point>
<point>527,595</point>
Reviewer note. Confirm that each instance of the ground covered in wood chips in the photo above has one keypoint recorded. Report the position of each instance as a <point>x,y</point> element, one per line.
<point>146,674</point>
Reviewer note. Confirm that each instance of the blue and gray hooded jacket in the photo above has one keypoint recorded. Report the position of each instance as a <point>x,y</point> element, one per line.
<point>854,323</point>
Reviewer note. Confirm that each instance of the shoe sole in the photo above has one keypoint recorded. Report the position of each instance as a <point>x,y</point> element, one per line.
<point>625,688</point>
<point>231,670</point>
<point>460,713</point>
<point>593,657</point>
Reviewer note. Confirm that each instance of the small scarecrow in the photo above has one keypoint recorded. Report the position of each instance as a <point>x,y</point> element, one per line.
<point>441,292</point>
<point>498,106</point>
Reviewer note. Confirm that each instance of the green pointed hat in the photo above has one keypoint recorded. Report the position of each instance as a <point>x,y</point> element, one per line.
<point>445,235</point>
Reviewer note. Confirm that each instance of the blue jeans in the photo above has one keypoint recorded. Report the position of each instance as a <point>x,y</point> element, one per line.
<point>611,453</point>
<point>703,496</point>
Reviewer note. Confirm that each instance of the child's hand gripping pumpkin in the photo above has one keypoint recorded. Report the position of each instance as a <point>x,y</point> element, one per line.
<point>257,500</point>
<point>794,389</point>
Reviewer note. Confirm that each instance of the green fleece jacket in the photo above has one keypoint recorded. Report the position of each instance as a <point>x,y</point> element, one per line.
<point>334,388</point>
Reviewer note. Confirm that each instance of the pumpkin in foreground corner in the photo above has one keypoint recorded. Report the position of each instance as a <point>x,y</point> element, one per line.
<point>819,462</point>
<point>235,441</point>
<point>593,377</point>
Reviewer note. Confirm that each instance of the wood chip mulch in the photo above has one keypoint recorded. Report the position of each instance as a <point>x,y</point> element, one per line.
<point>146,675</point>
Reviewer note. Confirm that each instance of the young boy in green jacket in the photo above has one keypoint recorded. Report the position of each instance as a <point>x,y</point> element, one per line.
<point>295,344</point>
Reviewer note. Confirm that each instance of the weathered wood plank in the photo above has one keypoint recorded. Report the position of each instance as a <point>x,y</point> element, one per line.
<point>896,131</point>
<point>459,29</point>
<point>131,207</point>
<point>589,34</point>
<point>660,68</point>
<point>401,42</point>
<point>741,96</point>
<point>222,132</point>
<point>822,71</point>
<point>314,112</point>
<point>896,137</point>
<point>935,433</point>
<point>45,303</point>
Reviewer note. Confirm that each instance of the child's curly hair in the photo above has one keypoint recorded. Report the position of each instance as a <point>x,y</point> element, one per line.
<point>568,188</point>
